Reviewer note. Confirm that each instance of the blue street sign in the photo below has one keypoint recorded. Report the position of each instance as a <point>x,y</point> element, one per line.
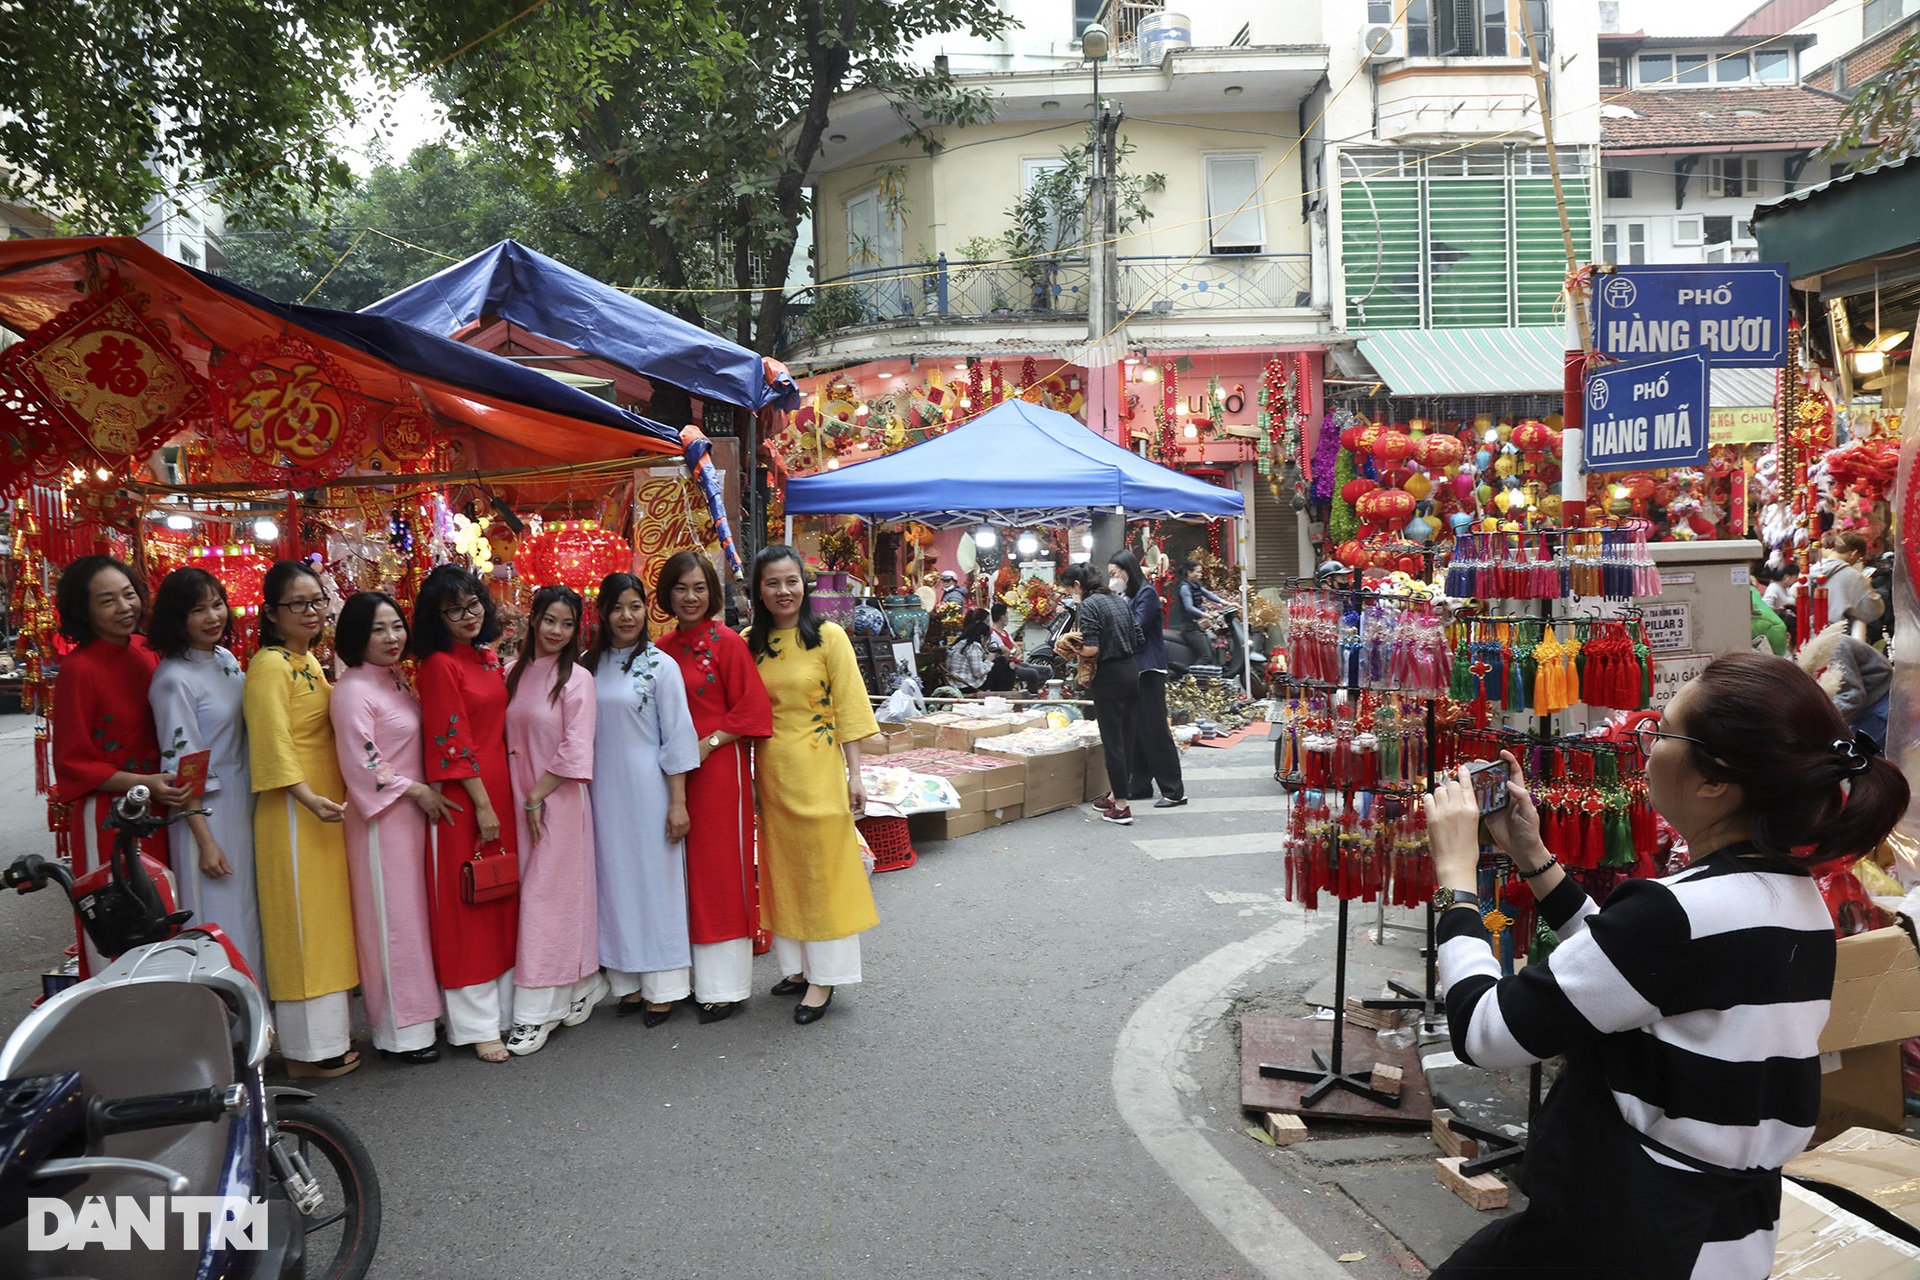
<point>1735,314</point>
<point>1649,414</point>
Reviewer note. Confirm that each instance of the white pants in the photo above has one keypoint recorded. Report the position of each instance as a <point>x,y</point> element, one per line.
<point>723,971</point>
<point>662,986</point>
<point>537,1006</point>
<point>479,1013</point>
<point>825,964</point>
<point>314,1030</point>
<point>420,1035</point>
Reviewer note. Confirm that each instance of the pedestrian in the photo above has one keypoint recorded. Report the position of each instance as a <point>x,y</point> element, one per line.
<point>463,712</point>
<point>1190,643</point>
<point>1152,756</point>
<point>969,662</point>
<point>550,724</point>
<point>1850,595</point>
<point>815,897</point>
<point>1854,674</point>
<point>1110,636</point>
<point>390,808</point>
<point>299,846</point>
<point>1030,674</point>
<point>1780,595</point>
<point>103,737</point>
<point>1767,626</point>
<point>730,711</point>
<point>644,748</point>
<point>1689,1008</point>
<point>198,694</point>
<point>951,589</point>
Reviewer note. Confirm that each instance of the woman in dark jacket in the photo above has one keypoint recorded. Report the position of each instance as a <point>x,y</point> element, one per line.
<point>1108,630</point>
<point>1151,755</point>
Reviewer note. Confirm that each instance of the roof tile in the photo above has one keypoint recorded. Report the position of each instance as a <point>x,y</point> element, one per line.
<point>1717,118</point>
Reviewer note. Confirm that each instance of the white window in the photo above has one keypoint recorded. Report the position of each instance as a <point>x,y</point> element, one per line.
<point>1733,176</point>
<point>1613,73</point>
<point>1234,218</point>
<point>1688,231</point>
<point>1773,66</point>
<point>1731,68</point>
<point>1719,253</point>
<point>1623,243</point>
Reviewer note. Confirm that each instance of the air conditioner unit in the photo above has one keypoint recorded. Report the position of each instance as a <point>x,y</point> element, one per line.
<point>1383,40</point>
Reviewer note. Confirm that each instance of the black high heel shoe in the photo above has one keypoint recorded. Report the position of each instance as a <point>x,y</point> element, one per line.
<point>804,1013</point>
<point>718,1012</point>
<point>413,1057</point>
<point>790,986</point>
<point>654,1017</point>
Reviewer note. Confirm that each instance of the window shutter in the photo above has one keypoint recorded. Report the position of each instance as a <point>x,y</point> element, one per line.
<point>1232,184</point>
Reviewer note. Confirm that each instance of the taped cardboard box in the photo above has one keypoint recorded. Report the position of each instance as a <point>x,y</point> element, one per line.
<point>1096,784</point>
<point>1053,780</point>
<point>1819,1240</point>
<point>891,740</point>
<point>1009,796</point>
<point>945,826</point>
<point>1003,815</point>
<point>961,735</point>
<point>1873,1174</point>
<point>1876,1004</point>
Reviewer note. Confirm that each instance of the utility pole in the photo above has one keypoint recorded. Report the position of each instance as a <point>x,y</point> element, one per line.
<point>1103,364</point>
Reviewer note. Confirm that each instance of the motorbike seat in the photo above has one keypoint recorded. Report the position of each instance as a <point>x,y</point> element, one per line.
<point>154,1037</point>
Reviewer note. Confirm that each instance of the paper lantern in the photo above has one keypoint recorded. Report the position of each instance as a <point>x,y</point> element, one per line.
<point>1463,486</point>
<point>1354,490</point>
<point>1418,485</point>
<point>1533,437</point>
<point>1419,530</point>
<point>572,553</point>
<point>1369,436</point>
<point>1351,554</point>
<point>1435,452</point>
<point>241,570</point>
<point>1385,506</point>
<point>1392,446</point>
<point>1350,438</point>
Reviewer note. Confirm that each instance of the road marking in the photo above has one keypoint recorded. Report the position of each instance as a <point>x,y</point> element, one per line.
<point>1200,773</point>
<point>1151,1075</point>
<point>1234,898</point>
<point>1214,804</point>
<point>1212,846</point>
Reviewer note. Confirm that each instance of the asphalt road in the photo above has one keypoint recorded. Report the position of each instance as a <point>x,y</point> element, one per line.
<point>1039,1078</point>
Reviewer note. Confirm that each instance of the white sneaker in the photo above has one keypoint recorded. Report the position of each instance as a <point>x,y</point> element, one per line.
<point>526,1038</point>
<point>584,1006</point>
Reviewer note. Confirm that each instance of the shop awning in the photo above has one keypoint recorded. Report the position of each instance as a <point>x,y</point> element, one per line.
<point>1529,360</point>
<point>1850,219</point>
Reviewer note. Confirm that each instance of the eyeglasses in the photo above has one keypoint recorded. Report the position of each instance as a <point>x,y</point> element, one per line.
<point>316,605</point>
<point>471,609</point>
<point>1646,733</point>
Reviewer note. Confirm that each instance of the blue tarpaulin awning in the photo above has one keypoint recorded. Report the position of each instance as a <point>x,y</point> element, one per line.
<point>1016,464</point>
<point>550,298</point>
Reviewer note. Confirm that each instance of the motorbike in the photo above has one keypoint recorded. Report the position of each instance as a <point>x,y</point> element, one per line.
<point>149,1077</point>
<point>1231,653</point>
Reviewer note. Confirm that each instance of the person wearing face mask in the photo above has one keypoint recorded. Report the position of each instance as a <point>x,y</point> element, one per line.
<point>463,712</point>
<point>197,694</point>
<point>390,810</point>
<point>816,899</point>
<point>644,748</point>
<point>730,712</point>
<point>1108,631</point>
<point>1152,756</point>
<point>550,719</point>
<point>103,735</point>
<point>300,849</point>
<point>1689,1008</point>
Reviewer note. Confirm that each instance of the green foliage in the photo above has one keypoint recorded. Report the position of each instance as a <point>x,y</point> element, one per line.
<point>106,107</point>
<point>1343,522</point>
<point>1879,123</point>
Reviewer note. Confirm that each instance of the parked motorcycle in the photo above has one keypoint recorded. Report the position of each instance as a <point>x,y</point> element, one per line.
<point>148,1078</point>
<point>1229,653</point>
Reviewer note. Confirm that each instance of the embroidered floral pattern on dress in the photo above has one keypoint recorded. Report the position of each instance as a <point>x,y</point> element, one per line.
<point>641,673</point>
<point>453,751</point>
<point>823,723</point>
<point>383,774</point>
<point>299,670</point>
<point>228,665</point>
<point>171,753</point>
<point>701,647</point>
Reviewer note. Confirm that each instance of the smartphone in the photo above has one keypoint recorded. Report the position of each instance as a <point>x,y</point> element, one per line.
<point>1490,784</point>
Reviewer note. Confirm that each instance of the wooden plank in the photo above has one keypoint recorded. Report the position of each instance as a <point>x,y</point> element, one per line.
<point>1483,1191</point>
<point>1291,1042</point>
<point>1387,1079</point>
<point>1454,1144</point>
<point>1285,1130</point>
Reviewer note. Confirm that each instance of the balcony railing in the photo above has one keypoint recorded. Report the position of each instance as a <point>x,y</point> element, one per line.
<point>946,291</point>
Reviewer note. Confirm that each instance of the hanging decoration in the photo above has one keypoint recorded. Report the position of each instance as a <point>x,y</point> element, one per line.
<point>407,433</point>
<point>101,370</point>
<point>241,570</point>
<point>283,412</point>
<point>573,553</point>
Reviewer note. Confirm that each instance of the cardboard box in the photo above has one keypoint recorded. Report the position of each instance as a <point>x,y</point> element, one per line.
<point>1096,777</point>
<point>1876,1175</point>
<point>1009,796</point>
<point>1860,1088</point>
<point>961,735</point>
<point>892,739</point>
<point>1876,990</point>
<point>1819,1240</point>
<point>1054,781</point>
<point>1004,815</point>
<point>945,826</point>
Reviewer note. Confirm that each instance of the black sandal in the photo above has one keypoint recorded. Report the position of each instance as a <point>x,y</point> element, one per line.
<point>790,986</point>
<point>718,1012</point>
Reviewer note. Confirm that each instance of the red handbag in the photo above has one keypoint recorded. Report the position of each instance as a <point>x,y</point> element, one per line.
<point>488,877</point>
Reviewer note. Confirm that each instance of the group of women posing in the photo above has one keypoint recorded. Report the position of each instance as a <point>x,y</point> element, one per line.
<point>349,826</point>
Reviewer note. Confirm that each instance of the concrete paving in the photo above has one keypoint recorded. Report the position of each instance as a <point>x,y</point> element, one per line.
<point>1039,1078</point>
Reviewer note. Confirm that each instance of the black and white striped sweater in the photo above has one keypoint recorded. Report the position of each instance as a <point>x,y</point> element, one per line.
<point>1704,995</point>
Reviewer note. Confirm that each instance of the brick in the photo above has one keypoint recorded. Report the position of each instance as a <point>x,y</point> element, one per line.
<point>1483,1191</point>
<point>1454,1144</point>
<point>1387,1080</point>
<point>1285,1129</point>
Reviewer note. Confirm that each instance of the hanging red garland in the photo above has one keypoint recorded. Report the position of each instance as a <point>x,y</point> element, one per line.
<point>1029,373</point>
<point>573,553</point>
<point>285,413</point>
<point>996,384</point>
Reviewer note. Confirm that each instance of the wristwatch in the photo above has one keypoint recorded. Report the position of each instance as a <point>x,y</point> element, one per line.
<point>1445,899</point>
<point>713,741</point>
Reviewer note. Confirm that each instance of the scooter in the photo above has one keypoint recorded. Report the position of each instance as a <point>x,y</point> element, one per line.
<point>1228,661</point>
<point>148,1077</point>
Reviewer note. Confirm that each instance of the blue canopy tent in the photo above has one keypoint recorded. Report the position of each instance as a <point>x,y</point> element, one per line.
<point>1017,465</point>
<point>515,283</point>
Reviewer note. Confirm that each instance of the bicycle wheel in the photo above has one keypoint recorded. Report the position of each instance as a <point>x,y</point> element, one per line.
<point>344,1231</point>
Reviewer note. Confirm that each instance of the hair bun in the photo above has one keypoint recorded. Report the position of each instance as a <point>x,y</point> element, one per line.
<point>1858,752</point>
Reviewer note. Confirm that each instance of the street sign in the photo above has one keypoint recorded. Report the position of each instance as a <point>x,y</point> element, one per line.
<point>1649,414</point>
<point>1735,314</point>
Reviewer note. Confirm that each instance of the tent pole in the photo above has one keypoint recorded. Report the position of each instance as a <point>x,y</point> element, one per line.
<point>747,431</point>
<point>789,530</point>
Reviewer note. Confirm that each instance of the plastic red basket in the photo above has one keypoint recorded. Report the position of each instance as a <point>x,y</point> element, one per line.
<point>887,837</point>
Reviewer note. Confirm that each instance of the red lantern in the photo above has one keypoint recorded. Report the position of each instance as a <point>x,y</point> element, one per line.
<point>1435,452</point>
<point>1393,506</point>
<point>1351,554</point>
<point>1354,490</point>
<point>573,553</point>
<point>1392,447</point>
<point>1533,437</point>
<point>1369,436</point>
<point>241,570</point>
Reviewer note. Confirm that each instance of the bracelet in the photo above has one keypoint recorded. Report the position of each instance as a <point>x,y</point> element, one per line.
<point>534,806</point>
<point>1540,870</point>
